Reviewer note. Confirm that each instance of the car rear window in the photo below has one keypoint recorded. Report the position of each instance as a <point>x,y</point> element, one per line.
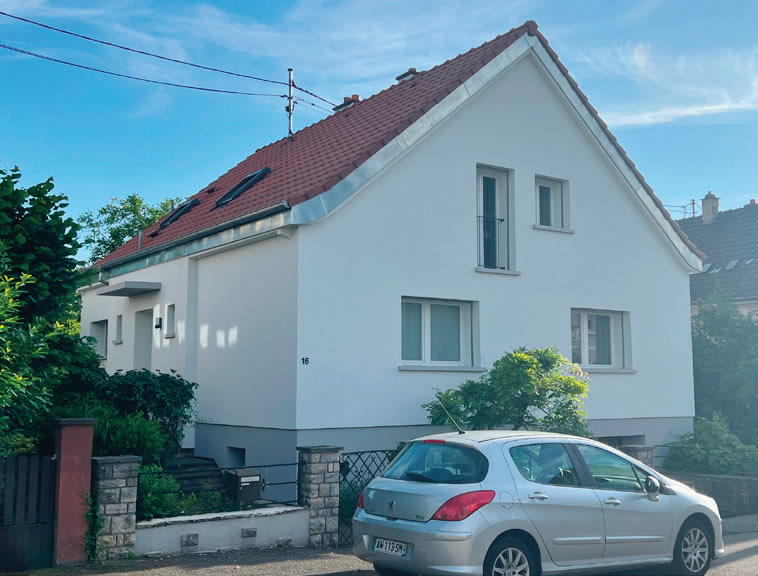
<point>439,464</point>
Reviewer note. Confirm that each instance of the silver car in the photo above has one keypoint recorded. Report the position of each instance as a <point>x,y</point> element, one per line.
<point>505,503</point>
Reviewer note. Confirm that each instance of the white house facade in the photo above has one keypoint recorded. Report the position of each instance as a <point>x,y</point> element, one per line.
<point>503,216</point>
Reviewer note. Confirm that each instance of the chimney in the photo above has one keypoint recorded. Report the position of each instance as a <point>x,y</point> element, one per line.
<point>752,203</point>
<point>710,207</point>
<point>348,101</point>
<point>406,75</point>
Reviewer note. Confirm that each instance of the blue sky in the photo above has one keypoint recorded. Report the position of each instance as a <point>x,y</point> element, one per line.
<point>677,81</point>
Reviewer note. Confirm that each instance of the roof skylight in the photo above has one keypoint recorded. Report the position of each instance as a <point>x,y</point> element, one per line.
<point>179,211</point>
<point>245,184</point>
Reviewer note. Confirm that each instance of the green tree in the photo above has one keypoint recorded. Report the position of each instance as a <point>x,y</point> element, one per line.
<point>40,241</point>
<point>725,362</point>
<point>23,396</point>
<point>118,221</point>
<point>535,389</point>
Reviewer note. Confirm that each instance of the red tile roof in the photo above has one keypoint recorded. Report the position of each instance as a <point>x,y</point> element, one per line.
<point>321,155</point>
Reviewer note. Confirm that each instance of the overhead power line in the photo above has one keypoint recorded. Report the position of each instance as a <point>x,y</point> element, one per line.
<point>130,77</point>
<point>313,104</point>
<point>166,58</point>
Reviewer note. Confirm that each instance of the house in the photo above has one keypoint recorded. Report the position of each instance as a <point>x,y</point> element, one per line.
<point>322,289</point>
<point>729,240</point>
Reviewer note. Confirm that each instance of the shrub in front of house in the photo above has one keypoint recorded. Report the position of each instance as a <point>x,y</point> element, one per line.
<point>711,448</point>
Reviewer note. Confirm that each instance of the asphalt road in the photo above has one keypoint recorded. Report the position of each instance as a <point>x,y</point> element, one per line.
<point>741,559</point>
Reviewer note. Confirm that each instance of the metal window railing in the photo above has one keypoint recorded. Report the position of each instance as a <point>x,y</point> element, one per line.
<point>492,244</point>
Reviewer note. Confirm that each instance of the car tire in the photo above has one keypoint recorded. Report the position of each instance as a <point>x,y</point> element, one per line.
<point>693,550</point>
<point>510,553</point>
<point>381,571</point>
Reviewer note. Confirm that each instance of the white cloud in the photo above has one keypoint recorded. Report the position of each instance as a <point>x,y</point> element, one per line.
<point>658,87</point>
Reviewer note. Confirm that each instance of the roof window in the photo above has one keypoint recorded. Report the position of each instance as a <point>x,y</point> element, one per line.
<point>179,211</point>
<point>245,184</point>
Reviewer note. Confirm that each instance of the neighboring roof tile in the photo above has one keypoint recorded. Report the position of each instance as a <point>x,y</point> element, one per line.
<point>324,153</point>
<point>731,235</point>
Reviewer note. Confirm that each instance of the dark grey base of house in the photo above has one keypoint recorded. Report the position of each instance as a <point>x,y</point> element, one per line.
<point>236,446</point>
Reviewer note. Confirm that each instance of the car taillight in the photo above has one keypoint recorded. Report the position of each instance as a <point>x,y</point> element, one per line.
<point>360,500</point>
<point>464,505</point>
<point>434,441</point>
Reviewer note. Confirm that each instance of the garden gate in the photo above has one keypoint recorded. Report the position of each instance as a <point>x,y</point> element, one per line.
<point>356,470</point>
<point>27,506</point>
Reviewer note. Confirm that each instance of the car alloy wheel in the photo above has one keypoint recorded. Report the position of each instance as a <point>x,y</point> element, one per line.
<point>509,556</point>
<point>695,550</point>
<point>511,562</point>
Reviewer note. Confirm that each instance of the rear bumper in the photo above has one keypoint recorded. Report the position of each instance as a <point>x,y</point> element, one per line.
<point>434,548</point>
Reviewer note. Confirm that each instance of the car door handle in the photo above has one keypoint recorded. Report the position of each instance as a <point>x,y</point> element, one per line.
<point>613,502</point>
<point>537,496</point>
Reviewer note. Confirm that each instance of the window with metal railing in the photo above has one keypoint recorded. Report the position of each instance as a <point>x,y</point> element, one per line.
<point>493,219</point>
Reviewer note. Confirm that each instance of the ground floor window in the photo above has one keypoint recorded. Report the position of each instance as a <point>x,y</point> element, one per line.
<point>436,332</point>
<point>601,339</point>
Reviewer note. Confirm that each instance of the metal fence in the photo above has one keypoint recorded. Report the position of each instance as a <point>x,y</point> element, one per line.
<point>356,470</point>
<point>183,491</point>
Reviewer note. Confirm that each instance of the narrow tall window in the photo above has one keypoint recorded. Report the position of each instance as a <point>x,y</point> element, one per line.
<point>99,331</point>
<point>119,330</point>
<point>600,339</point>
<point>493,213</point>
<point>171,321</point>
<point>552,203</point>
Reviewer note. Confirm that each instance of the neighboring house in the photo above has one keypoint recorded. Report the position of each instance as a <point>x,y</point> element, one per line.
<point>729,240</point>
<point>322,289</point>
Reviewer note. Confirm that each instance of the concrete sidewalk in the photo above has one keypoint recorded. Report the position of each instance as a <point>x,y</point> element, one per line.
<point>740,524</point>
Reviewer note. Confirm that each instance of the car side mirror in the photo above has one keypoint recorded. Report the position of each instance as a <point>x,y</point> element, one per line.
<point>653,488</point>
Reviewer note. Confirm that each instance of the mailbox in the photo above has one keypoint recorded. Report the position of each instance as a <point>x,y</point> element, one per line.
<point>244,485</point>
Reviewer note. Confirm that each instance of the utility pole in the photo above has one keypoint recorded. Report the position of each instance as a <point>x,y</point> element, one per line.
<point>694,208</point>
<point>290,102</point>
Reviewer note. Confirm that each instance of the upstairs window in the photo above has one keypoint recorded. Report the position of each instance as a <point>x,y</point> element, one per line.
<point>436,332</point>
<point>601,339</point>
<point>552,203</point>
<point>493,219</point>
<point>99,331</point>
<point>245,184</point>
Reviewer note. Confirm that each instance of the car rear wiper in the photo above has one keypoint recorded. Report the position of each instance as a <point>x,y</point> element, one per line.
<point>418,477</point>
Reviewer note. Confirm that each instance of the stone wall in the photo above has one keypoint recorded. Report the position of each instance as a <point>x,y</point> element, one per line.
<point>319,490</point>
<point>735,495</point>
<point>114,488</point>
<point>645,454</point>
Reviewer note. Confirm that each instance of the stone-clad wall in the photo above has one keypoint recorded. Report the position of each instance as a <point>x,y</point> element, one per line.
<point>114,487</point>
<point>319,490</point>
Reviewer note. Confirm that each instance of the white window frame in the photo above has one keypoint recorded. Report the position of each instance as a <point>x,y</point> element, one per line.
<point>466,333</point>
<point>620,340</point>
<point>119,330</point>
<point>559,208</point>
<point>170,321</point>
<point>101,343</point>
<point>504,258</point>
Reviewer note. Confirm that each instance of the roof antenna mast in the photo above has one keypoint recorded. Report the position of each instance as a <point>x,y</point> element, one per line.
<point>290,102</point>
<point>450,416</point>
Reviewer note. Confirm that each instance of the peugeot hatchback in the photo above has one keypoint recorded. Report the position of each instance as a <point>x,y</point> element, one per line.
<point>515,503</point>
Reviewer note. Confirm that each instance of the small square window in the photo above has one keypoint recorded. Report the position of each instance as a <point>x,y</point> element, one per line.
<point>552,203</point>
<point>436,332</point>
<point>601,339</point>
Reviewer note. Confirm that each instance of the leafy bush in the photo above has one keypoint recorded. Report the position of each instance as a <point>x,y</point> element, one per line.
<point>712,449</point>
<point>131,434</point>
<point>164,398</point>
<point>536,388</point>
<point>158,495</point>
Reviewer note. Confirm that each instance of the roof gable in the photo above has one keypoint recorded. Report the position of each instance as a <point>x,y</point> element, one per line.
<point>338,154</point>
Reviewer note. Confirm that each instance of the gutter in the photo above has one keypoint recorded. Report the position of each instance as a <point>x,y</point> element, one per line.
<point>267,219</point>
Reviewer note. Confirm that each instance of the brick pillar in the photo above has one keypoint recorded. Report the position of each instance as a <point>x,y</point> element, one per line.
<point>73,451</point>
<point>645,454</point>
<point>114,485</point>
<point>319,490</point>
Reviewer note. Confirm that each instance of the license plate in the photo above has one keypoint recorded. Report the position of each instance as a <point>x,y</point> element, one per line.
<point>390,547</point>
